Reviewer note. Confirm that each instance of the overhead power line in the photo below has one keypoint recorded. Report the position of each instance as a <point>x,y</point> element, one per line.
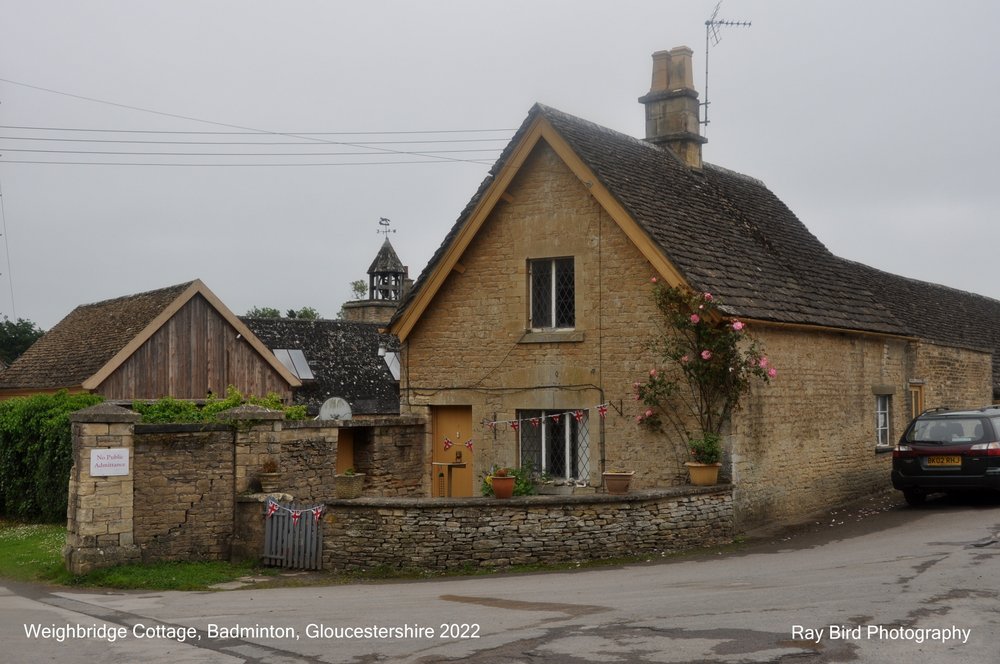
<point>260,132</point>
<point>238,165</point>
<point>254,130</point>
<point>304,144</point>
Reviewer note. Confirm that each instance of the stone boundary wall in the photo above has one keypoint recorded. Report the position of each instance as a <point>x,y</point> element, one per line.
<point>183,491</point>
<point>189,495</point>
<point>448,534</point>
<point>178,500</point>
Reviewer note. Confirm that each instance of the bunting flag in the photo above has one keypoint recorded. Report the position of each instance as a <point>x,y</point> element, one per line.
<point>515,425</point>
<point>468,443</point>
<point>273,507</point>
<point>448,443</point>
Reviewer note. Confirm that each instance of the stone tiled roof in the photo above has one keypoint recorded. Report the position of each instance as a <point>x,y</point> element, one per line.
<point>938,313</point>
<point>86,340</point>
<point>343,355</point>
<point>725,232</point>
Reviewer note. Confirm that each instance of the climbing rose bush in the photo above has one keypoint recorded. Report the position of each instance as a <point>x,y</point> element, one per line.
<point>706,364</point>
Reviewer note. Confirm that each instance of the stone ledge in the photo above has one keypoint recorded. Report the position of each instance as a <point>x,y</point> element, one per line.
<point>530,501</point>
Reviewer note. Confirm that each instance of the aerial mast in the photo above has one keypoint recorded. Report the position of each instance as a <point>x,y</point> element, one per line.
<point>712,36</point>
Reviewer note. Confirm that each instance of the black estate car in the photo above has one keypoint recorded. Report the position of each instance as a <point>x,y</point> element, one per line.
<point>948,450</point>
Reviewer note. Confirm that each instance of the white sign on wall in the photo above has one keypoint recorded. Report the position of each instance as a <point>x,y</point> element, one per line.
<point>106,461</point>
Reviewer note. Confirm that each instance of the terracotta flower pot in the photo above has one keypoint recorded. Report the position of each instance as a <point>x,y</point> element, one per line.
<point>503,487</point>
<point>703,474</point>
<point>617,483</point>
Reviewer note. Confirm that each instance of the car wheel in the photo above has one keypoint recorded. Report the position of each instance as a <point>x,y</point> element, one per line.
<point>914,498</point>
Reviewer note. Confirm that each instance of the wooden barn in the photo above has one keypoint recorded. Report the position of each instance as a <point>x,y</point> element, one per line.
<point>180,341</point>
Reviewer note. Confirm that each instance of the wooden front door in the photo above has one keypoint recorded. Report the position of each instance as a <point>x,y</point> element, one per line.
<point>452,429</point>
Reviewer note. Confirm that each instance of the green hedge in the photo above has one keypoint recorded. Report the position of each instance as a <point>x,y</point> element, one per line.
<point>36,454</point>
<point>36,445</point>
<point>171,411</point>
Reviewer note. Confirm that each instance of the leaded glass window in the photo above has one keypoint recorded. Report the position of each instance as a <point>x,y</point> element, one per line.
<point>553,293</point>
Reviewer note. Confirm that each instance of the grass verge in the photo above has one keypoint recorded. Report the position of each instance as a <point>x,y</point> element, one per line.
<point>33,553</point>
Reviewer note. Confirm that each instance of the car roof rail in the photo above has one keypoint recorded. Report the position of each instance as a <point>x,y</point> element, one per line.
<point>936,409</point>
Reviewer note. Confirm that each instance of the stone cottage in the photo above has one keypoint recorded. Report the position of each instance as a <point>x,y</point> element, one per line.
<point>523,336</point>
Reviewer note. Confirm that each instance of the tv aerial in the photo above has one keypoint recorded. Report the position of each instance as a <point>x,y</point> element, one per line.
<point>713,37</point>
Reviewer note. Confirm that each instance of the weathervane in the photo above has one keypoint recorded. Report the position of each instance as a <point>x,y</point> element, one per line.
<point>385,230</point>
<point>712,26</point>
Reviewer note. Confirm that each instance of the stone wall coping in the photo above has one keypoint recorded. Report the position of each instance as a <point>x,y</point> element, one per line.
<point>104,413</point>
<point>250,412</point>
<point>264,497</point>
<point>360,423</point>
<point>182,427</point>
<point>646,495</point>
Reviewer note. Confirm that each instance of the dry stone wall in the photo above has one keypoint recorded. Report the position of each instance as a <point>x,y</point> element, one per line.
<point>483,532</point>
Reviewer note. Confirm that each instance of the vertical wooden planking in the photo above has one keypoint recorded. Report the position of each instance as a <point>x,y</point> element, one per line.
<point>293,545</point>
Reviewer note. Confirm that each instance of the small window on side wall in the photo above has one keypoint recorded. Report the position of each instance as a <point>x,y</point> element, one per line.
<point>552,294</point>
<point>883,411</point>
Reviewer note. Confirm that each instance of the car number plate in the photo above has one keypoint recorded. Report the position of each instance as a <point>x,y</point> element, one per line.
<point>944,461</point>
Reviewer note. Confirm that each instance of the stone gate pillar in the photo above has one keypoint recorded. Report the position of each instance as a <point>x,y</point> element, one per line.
<point>99,529</point>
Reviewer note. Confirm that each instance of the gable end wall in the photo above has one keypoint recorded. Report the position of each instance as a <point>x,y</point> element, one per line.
<point>192,354</point>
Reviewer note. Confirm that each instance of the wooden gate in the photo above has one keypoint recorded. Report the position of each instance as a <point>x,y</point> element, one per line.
<point>293,535</point>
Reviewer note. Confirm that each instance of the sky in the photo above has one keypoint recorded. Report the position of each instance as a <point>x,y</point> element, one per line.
<point>292,128</point>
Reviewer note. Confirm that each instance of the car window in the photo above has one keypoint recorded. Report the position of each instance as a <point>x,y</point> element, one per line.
<point>950,430</point>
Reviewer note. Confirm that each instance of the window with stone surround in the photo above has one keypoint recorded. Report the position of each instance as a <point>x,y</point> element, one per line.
<point>555,442</point>
<point>552,294</point>
<point>883,411</point>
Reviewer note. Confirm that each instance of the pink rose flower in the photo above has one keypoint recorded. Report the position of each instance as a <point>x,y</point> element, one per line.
<point>694,319</point>
<point>654,280</point>
<point>685,359</point>
<point>737,325</point>
<point>772,372</point>
<point>707,297</point>
<point>706,355</point>
<point>652,373</point>
<point>762,363</point>
<point>638,419</point>
<point>649,412</point>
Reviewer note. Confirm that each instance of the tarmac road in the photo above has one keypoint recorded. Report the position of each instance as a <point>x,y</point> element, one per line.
<point>878,582</point>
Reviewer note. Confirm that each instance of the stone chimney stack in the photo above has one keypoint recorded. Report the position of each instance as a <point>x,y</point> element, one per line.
<point>672,108</point>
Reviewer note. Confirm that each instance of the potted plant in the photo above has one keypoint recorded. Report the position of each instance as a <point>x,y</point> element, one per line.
<point>348,484</point>
<point>708,363</point>
<point>269,475</point>
<point>706,458</point>
<point>502,483</point>
<point>617,482</point>
<point>520,479</point>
